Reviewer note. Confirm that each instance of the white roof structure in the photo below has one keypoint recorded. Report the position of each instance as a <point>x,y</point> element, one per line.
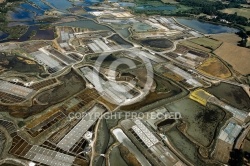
<point>82,127</point>
<point>14,89</point>
<point>230,133</point>
<point>49,157</point>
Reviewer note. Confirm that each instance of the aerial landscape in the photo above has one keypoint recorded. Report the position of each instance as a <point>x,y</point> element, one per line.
<point>124,82</point>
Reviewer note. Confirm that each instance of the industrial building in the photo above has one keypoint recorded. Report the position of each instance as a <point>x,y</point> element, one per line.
<point>116,92</point>
<point>50,62</point>
<point>230,133</point>
<point>9,126</point>
<point>15,90</point>
<point>188,77</point>
<point>226,141</point>
<point>70,139</point>
<point>150,144</point>
<point>99,46</point>
<point>49,157</point>
<point>169,23</point>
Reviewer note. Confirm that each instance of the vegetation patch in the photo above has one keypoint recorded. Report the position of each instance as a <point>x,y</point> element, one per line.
<point>201,121</point>
<point>227,38</point>
<point>214,67</point>
<point>207,42</point>
<point>190,44</point>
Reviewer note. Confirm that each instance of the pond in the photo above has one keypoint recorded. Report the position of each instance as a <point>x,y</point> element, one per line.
<point>89,24</point>
<point>28,11</point>
<point>232,95</point>
<point>31,8</point>
<point>119,40</point>
<point>60,5</point>
<point>40,4</point>
<point>47,34</point>
<point>124,32</point>
<point>207,28</point>
<point>20,14</point>
<point>66,4</point>
<point>3,35</point>
<point>115,158</point>
<point>185,146</point>
<point>126,4</point>
<point>150,7</point>
<point>157,43</point>
<point>141,27</point>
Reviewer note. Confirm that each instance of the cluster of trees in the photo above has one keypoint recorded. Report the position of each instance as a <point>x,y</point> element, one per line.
<point>237,157</point>
<point>213,8</point>
<point>233,18</point>
<point>207,7</point>
<point>244,37</point>
<point>201,6</point>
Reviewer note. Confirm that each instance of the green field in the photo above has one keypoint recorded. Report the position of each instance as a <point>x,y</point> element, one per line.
<point>207,42</point>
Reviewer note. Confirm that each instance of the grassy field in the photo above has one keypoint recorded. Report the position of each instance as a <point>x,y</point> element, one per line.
<point>214,67</point>
<point>207,42</point>
<point>227,37</point>
<point>240,11</point>
<point>237,57</point>
<point>195,46</point>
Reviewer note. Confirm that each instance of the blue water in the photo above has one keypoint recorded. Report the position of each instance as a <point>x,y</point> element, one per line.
<point>149,7</point>
<point>40,4</point>
<point>60,4</point>
<point>126,4</point>
<point>93,1</point>
<point>124,32</point>
<point>20,14</point>
<point>3,35</point>
<point>31,8</point>
<point>40,35</point>
<point>88,9</point>
<point>89,24</point>
<point>206,28</point>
